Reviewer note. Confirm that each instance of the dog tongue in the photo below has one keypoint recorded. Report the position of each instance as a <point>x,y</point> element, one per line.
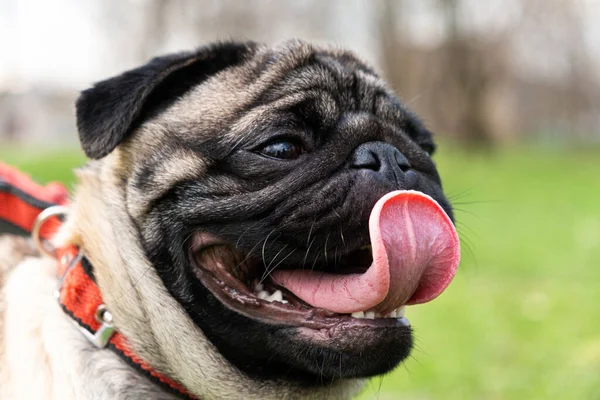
<point>416,253</point>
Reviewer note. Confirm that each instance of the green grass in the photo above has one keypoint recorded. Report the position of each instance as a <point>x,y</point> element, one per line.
<point>522,318</point>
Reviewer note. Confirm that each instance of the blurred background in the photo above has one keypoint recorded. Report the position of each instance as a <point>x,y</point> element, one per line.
<point>512,90</point>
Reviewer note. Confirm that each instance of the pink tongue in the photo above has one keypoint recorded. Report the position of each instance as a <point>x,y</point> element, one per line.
<point>416,253</point>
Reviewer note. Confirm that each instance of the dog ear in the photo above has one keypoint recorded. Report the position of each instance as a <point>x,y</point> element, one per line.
<point>109,111</point>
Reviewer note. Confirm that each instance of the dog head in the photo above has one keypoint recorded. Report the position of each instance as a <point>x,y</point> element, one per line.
<point>234,163</point>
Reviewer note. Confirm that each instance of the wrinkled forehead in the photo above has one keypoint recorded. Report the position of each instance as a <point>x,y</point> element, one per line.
<point>316,84</point>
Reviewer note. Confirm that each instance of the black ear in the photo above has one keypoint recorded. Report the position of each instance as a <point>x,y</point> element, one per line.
<point>109,111</point>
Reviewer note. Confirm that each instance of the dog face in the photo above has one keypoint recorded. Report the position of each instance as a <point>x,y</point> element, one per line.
<point>239,160</point>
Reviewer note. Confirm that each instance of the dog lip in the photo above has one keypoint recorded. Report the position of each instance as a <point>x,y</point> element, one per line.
<point>203,240</point>
<point>284,314</point>
<point>235,295</point>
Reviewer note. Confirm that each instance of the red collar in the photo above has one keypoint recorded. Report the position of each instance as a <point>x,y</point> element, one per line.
<point>25,205</point>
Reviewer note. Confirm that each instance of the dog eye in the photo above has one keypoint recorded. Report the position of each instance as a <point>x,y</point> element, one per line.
<point>283,150</point>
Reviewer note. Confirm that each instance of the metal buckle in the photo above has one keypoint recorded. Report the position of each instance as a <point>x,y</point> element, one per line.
<point>102,336</point>
<point>39,222</point>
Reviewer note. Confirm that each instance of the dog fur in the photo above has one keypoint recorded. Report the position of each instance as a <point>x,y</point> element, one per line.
<point>141,154</point>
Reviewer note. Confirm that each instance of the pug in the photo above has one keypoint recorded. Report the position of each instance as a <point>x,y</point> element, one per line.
<point>256,220</point>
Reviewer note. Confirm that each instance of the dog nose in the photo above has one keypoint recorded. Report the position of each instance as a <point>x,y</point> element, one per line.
<point>383,158</point>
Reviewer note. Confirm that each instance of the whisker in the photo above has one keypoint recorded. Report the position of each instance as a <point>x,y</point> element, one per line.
<point>462,210</point>
<point>379,387</point>
<point>307,251</point>
<point>277,255</point>
<point>276,265</point>
<point>133,285</point>
<point>468,246</point>
<point>468,203</point>
<point>311,229</point>
<point>457,195</point>
<point>267,270</point>
<point>467,243</point>
<point>335,258</point>
<point>462,225</point>
<point>415,98</point>
<point>314,263</point>
<point>264,246</point>
<point>343,239</point>
<point>463,235</point>
<point>237,242</point>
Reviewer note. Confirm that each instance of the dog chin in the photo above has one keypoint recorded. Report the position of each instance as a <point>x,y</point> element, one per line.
<point>356,351</point>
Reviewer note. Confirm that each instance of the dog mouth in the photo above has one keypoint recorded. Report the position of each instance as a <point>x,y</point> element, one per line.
<point>239,282</point>
<point>412,257</point>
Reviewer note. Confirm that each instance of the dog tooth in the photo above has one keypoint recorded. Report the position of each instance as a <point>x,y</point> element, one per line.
<point>392,314</point>
<point>400,311</point>
<point>263,294</point>
<point>277,296</point>
<point>370,314</point>
<point>358,314</point>
<point>284,301</point>
<point>258,287</point>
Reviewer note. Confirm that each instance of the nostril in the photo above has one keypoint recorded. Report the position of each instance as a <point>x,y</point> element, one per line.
<point>375,163</point>
<point>402,161</point>
<point>366,158</point>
